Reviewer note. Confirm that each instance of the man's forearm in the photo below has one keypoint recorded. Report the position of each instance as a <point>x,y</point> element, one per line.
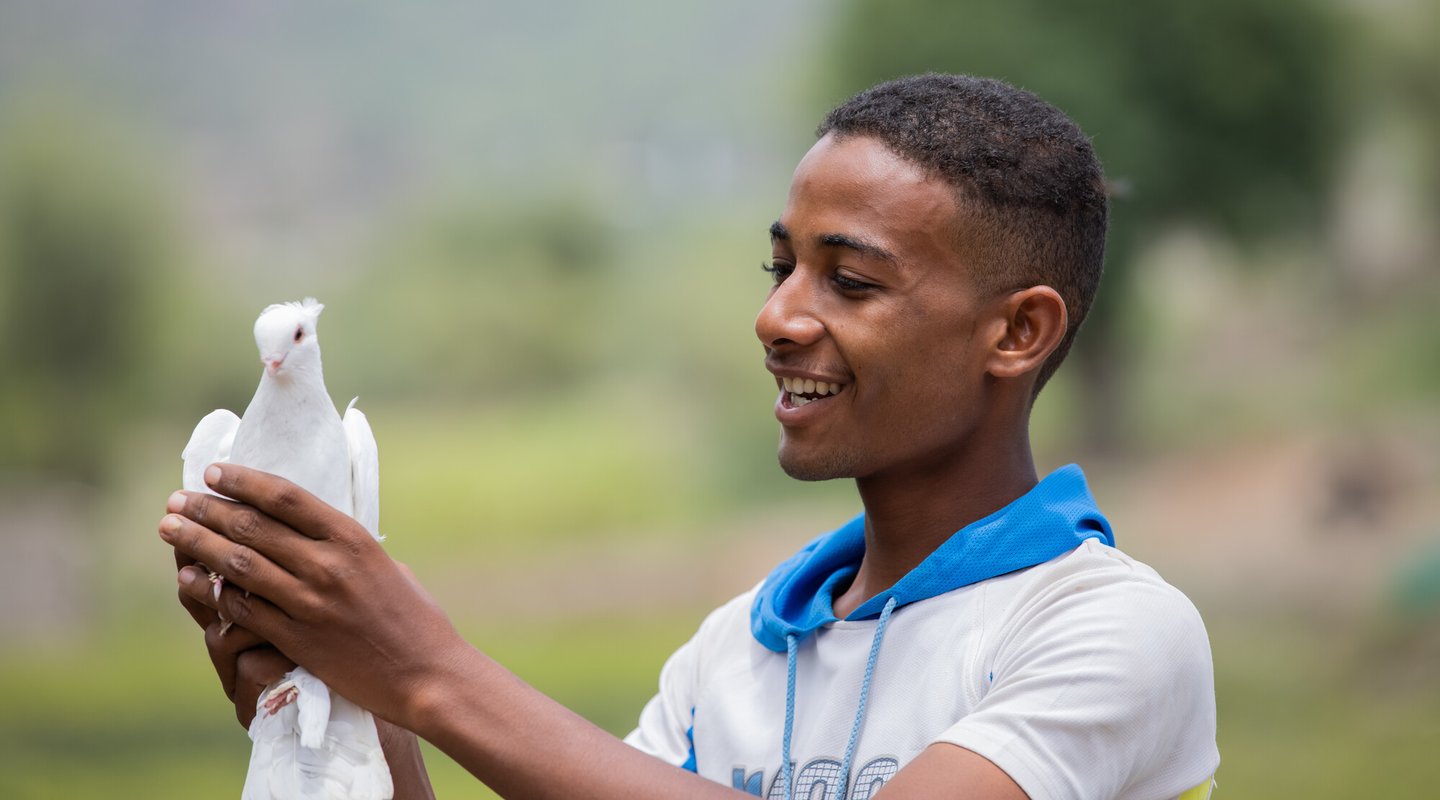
<point>522,744</point>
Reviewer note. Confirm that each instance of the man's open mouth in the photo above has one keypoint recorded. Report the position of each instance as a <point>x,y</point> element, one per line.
<point>800,391</point>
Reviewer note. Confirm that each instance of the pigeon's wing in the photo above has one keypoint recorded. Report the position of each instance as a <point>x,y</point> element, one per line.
<point>364,470</point>
<point>208,444</point>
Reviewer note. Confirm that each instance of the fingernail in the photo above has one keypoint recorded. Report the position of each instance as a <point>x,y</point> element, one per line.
<point>187,575</point>
<point>169,525</point>
<point>212,475</point>
<point>176,502</point>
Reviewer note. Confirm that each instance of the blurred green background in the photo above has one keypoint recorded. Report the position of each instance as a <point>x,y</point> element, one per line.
<point>537,230</point>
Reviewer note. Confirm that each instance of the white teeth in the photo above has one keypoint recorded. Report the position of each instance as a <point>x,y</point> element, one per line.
<point>796,387</point>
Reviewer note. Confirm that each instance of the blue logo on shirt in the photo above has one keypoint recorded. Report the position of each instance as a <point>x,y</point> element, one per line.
<point>821,774</point>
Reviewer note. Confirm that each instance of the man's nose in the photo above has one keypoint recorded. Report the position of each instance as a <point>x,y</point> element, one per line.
<point>791,315</point>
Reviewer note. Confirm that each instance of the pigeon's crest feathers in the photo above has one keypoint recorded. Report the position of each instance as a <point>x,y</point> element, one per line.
<point>309,306</point>
<point>289,316</point>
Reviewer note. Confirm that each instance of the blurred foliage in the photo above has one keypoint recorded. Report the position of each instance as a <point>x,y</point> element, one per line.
<point>1416,591</point>
<point>559,469</point>
<point>1401,79</point>
<point>86,241</point>
<point>483,301</point>
<point>1226,113</point>
<point>1223,112</point>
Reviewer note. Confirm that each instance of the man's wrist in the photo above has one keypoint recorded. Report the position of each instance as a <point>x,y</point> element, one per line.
<point>436,701</point>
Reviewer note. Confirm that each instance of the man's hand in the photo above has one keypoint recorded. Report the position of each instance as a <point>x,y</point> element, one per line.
<point>244,662</point>
<point>320,589</point>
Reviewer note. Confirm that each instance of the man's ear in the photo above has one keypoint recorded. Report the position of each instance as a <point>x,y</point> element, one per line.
<point>1030,322</point>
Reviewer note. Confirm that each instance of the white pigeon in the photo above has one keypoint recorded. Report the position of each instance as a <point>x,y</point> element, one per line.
<point>308,742</point>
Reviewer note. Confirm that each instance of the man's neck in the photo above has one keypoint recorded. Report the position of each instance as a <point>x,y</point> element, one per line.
<point>908,516</point>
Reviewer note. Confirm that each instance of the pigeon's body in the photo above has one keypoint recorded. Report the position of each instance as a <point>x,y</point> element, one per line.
<point>308,742</point>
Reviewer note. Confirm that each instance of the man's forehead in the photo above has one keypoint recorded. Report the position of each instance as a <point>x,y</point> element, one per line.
<point>862,177</point>
<point>858,157</point>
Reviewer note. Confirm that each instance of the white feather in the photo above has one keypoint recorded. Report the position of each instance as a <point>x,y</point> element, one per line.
<point>320,746</point>
<point>364,469</point>
<point>209,444</point>
<point>283,765</point>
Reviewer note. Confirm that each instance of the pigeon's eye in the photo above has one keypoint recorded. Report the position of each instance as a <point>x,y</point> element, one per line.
<point>299,334</point>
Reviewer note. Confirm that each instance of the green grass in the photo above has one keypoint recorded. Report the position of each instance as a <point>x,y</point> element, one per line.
<point>1306,711</point>
<point>508,480</point>
<point>144,717</point>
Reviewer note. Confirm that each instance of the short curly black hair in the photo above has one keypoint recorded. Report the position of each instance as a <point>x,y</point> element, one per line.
<point>1030,189</point>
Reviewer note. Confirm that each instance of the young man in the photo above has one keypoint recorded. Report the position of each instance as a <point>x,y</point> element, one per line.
<point>972,634</point>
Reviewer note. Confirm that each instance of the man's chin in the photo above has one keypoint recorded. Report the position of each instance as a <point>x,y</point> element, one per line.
<point>816,466</point>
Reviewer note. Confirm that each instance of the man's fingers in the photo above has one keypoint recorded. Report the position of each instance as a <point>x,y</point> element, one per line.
<point>237,611</point>
<point>234,641</point>
<point>239,565</point>
<point>196,590</point>
<point>203,616</point>
<point>256,669</point>
<point>277,497</point>
<point>240,524</point>
<point>198,611</point>
<point>225,648</point>
<point>255,613</point>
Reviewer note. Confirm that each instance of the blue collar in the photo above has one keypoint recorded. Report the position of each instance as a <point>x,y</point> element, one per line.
<point>1052,518</point>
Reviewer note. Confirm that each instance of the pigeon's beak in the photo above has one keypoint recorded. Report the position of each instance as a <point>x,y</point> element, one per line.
<point>272,364</point>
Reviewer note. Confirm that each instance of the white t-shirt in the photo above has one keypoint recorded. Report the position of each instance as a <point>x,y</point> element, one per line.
<point>1083,677</point>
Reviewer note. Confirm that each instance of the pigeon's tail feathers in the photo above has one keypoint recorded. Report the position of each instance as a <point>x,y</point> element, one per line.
<point>346,762</point>
<point>209,443</point>
<point>313,699</point>
<point>364,470</point>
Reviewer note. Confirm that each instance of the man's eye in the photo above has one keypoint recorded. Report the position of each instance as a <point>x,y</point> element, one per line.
<point>777,269</point>
<point>850,284</point>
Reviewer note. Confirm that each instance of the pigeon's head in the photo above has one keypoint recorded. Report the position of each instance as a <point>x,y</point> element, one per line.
<point>285,334</point>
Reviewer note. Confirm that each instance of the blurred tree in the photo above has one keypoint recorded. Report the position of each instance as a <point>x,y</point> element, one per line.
<point>481,299</point>
<point>1221,114</point>
<point>83,245</point>
<point>1407,80</point>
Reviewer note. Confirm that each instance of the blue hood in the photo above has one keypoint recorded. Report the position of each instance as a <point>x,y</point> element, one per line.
<point>1050,519</point>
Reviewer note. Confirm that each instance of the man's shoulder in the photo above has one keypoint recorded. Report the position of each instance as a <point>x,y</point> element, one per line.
<point>1091,565</point>
<point>729,623</point>
<point>1096,584</point>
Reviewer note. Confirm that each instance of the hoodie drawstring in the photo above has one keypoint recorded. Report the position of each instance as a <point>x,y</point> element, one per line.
<point>864,695</point>
<point>792,644</point>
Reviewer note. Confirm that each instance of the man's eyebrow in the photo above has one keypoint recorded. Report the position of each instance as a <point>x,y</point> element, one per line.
<point>860,246</point>
<point>779,232</point>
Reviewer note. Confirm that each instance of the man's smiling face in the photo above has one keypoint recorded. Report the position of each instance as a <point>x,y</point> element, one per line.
<point>872,300</point>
